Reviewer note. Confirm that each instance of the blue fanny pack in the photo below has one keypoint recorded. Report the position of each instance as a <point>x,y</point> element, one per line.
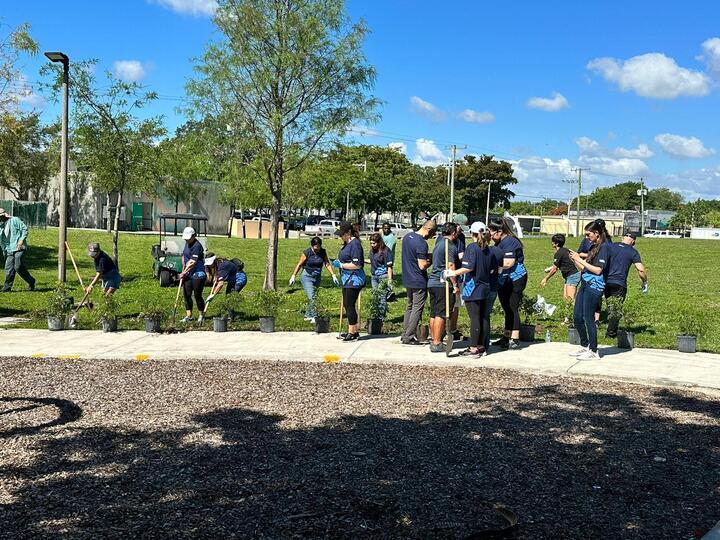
<point>354,278</point>
<point>593,281</point>
<point>517,271</point>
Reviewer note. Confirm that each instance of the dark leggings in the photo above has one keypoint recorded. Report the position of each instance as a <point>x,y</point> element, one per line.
<point>350,298</point>
<point>196,286</point>
<point>479,327</point>
<point>510,296</point>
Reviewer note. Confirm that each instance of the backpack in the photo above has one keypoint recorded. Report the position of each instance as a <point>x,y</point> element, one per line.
<point>240,265</point>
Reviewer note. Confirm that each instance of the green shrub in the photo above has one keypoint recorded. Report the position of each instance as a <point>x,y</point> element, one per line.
<point>692,324</point>
<point>151,308</point>
<point>106,309</point>
<point>269,302</point>
<point>323,302</point>
<point>60,302</point>
<point>375,305</point>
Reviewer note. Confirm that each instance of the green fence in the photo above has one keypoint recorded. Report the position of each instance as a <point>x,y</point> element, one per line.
<point>34,214</point>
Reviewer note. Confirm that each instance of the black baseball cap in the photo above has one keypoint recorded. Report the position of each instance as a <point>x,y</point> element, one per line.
<point>630,234</point>
<point>345,227</point>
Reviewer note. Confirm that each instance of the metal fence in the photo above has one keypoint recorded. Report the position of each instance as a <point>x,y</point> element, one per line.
<point>34,214</point>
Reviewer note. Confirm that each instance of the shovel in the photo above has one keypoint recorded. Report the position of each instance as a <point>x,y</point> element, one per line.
<point>448,332</point>
<point>73,319</point>
<point>177,297</point>
<point>207,302</point>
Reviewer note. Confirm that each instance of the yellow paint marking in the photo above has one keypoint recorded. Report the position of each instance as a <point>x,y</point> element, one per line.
<point>38,355</point>
<point>332,358</point>
<point>141,357</point>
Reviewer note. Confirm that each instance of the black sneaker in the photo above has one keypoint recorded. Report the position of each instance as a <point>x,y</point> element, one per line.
<point>412,341</point>
<point>502,342</point>
<point>342,335</point>
<point>351,337</point>
<point>457,335</point>
<point>437,347</point>
<point>512,344</point>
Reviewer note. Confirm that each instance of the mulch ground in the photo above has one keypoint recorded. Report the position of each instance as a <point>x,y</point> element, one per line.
<point>222,449</point>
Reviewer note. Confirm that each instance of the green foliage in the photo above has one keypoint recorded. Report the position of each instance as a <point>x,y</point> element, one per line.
<point>150,308</point>
<point>624,196</point>
<point>527,310</point>
<point>375,305</point>
<point>59,302</point>
<point>695,214</point>
<point>269,302</point>
<point>712,218</point>
<point>663,199</point>
<point>470,189</point>
<point>323,302</point>
<point>222,305</point>
<point>568,309</point>
<point>14,42</point>
<point>692,324</point>
<point>106,308</point>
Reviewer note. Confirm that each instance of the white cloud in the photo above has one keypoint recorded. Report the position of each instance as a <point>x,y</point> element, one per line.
<point>197,8</point>
<point>428,154</point>
<point>591,148</point>
<point>399,146</point>
<point>427,109</point>
<point>129,70</point>
<point>363,131</point>
<point>695,183</point>
<point>476,117</point>
<point>542,177</point>
<point>615,166</point>
<point>553,104</point>
<point>643,151</point>
<point>652,75</point>
<point>711,55</point>
<point>683,147</point>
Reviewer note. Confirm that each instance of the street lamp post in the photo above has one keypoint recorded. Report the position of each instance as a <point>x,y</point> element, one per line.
<point>489,183</point>
<point>65,61</point>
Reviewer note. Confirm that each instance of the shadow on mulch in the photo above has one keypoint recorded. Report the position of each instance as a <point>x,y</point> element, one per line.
<point>58,412</point>
<point>581,465</point>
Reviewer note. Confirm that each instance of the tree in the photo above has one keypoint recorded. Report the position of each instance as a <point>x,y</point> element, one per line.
<point>424,191</point>
<point>472,191</point>
<point>713,218</point>
<point>287,75</point>
<point>663,199</point>
<point>695,214</point>
<point>26,163</point>
<point>13,44</point>
<point>114,146</point>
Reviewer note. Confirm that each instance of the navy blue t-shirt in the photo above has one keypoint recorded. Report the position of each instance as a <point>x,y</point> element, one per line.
<point>380,260</point>
<point>227,270</point>
<point>585,246</point>
<point>460,242</point>
<point>483,275</point>
<point>435,278</point>
<point>622,257</point>
<point>512,249</point>
<point>104,264</point>
<point>196,253</point>
<point>314,262</point>
<point>414,247</point>
<point>352,252</point>
<point>603,260</point>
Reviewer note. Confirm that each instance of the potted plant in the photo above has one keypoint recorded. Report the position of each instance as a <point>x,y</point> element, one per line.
<point>690,326</point>
<point>222,305</point>
<point>568,313</point>
<point>322,306</point>
<point>625,314</point>
<point>269,303</point>
<point>152,313</point>
<point>106,313</point>
<point>59,306</point>
<point>377,308</point>
<point>529,315</point>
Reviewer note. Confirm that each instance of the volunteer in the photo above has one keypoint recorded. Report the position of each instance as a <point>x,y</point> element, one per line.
<point>514,280</point>
<point>13,244</point>
<point>381,268</point>
<point>226,273</point>
<point>437,287</point>
<point>350,261</point>
<point>623,255</point>
<point>193,275</point>
<point>563,263</point>
<point>415,262</point>
<point>105,271</point>
<point>480,265</point>
<point>593,278</point>
<point>460,220</point>
<point>311,262</point>
<point>585,247</point>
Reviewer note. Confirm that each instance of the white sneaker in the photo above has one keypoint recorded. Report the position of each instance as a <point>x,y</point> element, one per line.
<point>312,320</point>
<point>307,319</point>
<point>589,355</point>
<point>186,319</point>
<point>580,351</point>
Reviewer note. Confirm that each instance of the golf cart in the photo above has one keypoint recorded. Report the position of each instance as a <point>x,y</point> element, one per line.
<point>167,255</point>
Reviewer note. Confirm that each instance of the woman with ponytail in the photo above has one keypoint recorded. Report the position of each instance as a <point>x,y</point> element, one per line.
<point>593,277</point>
<point>512,281</point>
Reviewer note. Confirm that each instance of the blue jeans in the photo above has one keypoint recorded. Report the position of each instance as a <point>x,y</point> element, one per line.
<point>375,281</point>
<point>239,285</point>
<point>310,283</point>
<point>586,303</point>
<point>14,265</point>
<point>489,303</point>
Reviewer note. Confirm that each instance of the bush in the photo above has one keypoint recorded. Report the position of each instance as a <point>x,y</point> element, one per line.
<point>528,311</point>
<point>150,308</point>
<point>60,302</point>
<point>322,302</point>
<point>222,305</point>
<point>692,324</point>
<point>269,302</point>
<point>375,310</point>
<point>106,309</point>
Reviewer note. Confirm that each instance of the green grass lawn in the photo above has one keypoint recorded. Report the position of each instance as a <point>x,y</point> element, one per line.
<point>683,282</point>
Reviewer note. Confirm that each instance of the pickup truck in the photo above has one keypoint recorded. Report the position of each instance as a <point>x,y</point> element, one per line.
<point>325,227</point>
<point>661,234</point>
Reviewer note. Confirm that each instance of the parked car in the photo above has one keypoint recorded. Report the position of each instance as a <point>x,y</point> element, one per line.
<point>326,226</point>
<point>399,230</point>
<point>661,234</point>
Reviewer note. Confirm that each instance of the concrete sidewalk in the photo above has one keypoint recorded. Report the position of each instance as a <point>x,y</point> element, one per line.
<point>700,371</point>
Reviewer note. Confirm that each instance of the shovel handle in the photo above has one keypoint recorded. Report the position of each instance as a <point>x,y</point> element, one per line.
<point>77,272</point>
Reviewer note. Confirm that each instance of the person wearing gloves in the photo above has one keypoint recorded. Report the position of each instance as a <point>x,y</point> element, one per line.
<point>381,267</point>
<point>350,262</point>
<point>224,273</point>
<point>193,275</point>
<point>460,241</point>
<point>13,244</point>
<point>623,256</point>
<point>593,277</point>
<point>481,265</point>
<point>105,271</point>
<point>436,284</point>
<point>415,262</point>
<point>311,263</point>
<point>513,281</point>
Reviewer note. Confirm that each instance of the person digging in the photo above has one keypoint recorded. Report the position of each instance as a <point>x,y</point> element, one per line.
<point>106,271</point>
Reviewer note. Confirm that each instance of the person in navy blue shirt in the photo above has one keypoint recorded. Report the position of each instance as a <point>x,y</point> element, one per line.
<point>437,285</point>
<point>480,266</point>
<point>381,269</point>
<point>193,275</point>
<point>624,255</point>
<point>460,242</point>
<point>311,262</point>
<point>513,282</point>
<point>105,271</point>
<point>594,271</point>
<point>350,262</point>
<point>415,262</point>
<point>585,247</point>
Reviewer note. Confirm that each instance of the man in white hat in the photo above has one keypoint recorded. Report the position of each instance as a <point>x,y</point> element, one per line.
<point>13,241</point>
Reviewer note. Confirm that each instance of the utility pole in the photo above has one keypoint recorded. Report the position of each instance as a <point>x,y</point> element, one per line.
<point>578,170</point>
<point>570,181</point>
<point>642,192</point>
<point>489,183</point>
<point>454,148</point>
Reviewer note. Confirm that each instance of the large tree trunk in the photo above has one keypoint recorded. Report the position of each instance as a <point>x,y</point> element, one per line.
<point>271,264</point>
<point>116,228</point>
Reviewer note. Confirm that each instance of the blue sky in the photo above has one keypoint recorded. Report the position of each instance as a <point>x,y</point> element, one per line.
<point>626,89</point>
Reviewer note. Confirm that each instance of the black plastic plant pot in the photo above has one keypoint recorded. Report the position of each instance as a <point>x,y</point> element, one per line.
<point>322,325</point>
<point>56,323</point>
<point>152,326</point>
<point>267,325</point>
<point>220,324</point>
<point>625,339</point>
<point>422,332</point>
<point>375,327</point>
<point>573,336</point>
<point>109,325</point>
<point>527,332</point>
<point>687,344</point>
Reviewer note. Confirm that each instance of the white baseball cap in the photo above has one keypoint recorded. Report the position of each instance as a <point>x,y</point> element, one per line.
<point>188,233</point>
<point>477,227</point>
<point>209,258</point>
